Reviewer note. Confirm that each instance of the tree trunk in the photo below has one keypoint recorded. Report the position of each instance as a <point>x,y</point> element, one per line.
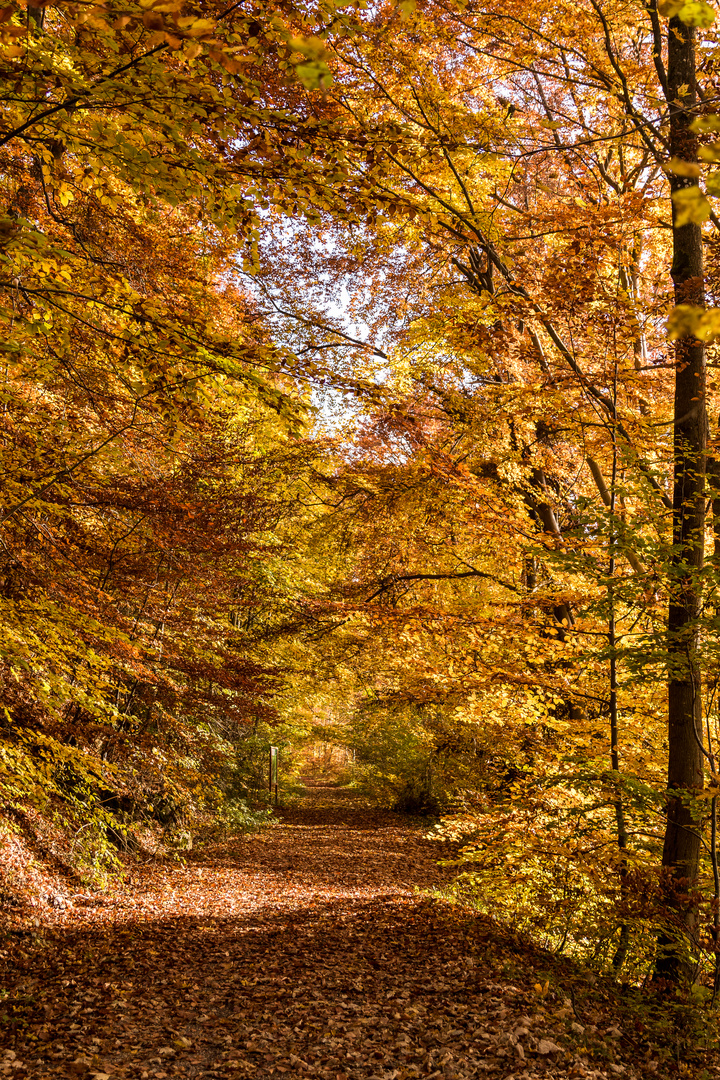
<point>681,851</point>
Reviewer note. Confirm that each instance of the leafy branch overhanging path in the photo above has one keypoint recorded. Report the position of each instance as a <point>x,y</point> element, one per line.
<point>305,951</point>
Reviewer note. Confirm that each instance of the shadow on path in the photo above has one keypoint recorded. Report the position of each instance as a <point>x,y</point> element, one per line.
<point>304,951</point>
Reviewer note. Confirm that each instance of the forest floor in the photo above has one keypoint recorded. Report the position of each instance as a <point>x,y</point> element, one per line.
<point>309,950</point>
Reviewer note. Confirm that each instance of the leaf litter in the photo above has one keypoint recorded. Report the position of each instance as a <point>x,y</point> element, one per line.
<point>312,949</point>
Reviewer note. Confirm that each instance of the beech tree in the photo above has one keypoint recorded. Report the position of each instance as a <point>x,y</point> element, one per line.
<point>681,850</point>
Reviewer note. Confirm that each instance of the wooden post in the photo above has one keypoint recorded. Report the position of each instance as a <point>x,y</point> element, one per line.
<point>273,773</point>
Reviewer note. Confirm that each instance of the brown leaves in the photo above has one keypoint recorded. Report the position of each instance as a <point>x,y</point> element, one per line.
<point>260,961</point>
<point>153,21</point>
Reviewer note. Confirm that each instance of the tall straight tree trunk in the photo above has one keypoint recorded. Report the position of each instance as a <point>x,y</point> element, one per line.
<point>681,851</point>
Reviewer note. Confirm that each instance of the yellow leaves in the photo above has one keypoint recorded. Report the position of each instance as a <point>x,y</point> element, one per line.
<point>689,320</point>
<point>697,13</point>
<point>704,124</point>
<point>313,48</point>
<point>196,27</point>
<point>691,206</point>
<point>9,33</point>
<point>314,72</point>
<point>406,8</point>
<point>691,12</point>
<point>683,168</point>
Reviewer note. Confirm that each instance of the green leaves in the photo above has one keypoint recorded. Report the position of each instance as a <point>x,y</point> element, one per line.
<point>313,72</point>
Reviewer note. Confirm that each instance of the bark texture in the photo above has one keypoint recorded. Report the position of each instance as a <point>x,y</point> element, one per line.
<point>681,851</point>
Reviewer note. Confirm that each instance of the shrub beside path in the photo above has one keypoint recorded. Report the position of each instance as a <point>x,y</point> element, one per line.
<point>305,951</point>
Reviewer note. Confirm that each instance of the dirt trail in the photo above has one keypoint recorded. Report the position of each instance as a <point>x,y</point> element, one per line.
<point>304,951</point>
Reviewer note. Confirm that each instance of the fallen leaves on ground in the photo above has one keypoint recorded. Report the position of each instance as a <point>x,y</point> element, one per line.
<point>307,950</point>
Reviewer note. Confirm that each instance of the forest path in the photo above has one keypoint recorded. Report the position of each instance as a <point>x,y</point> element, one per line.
<point>303,951</point>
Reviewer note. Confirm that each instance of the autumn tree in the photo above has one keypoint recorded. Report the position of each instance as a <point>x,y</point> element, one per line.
<point>147,407</point>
